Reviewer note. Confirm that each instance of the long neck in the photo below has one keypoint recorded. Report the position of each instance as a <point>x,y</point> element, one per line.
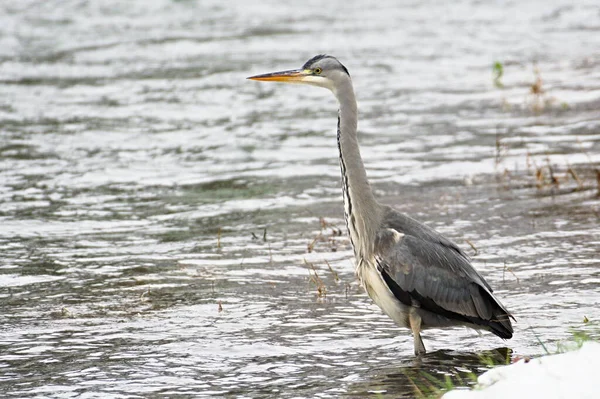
<point>360,207</point>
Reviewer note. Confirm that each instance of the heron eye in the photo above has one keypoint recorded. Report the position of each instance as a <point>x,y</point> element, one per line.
<point>317,71</point>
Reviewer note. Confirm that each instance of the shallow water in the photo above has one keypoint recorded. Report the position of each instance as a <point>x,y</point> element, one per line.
<point>157,209</point>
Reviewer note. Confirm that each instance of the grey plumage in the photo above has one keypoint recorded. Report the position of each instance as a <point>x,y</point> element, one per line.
<point>324,57</point>
<point>414,274</point>
<point>427,271</point>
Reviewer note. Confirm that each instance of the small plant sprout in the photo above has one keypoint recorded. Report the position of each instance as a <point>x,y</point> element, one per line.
<point>498,70</point>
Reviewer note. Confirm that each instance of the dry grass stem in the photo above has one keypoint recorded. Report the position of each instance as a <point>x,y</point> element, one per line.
<point>473,246</point>
<point>321,289</point>
<point>508,269</point>
<point>322,236</point>
<point>335,275</point>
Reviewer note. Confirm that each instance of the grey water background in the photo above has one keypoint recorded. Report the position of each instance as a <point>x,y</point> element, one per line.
<point>157,209</point>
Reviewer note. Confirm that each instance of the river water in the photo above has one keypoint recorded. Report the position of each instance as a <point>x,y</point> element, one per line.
<point>170,229</point>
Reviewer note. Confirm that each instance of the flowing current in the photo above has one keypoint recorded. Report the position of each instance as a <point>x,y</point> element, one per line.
<point>170,229</point>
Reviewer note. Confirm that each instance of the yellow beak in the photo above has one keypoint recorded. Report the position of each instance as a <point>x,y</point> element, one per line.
<point>292,76</point>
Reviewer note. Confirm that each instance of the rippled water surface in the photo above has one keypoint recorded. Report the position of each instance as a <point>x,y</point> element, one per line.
<point>168,228</point>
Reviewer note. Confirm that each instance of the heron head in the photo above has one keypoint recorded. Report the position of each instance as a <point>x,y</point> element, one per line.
<point>321,70</point>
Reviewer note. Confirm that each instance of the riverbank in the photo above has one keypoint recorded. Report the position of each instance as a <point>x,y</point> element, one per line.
<point>565,375</point>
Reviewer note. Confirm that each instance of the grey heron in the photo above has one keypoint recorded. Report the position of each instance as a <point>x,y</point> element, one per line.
<point>417,276</point>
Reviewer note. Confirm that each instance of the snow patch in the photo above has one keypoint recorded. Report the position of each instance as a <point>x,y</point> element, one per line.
<point>566,375</point>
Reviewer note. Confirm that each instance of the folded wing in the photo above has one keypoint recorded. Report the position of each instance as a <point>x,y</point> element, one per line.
<point>425,270</point>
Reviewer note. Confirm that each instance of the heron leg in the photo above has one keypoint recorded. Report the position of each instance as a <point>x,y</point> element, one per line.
<point>415,326</point>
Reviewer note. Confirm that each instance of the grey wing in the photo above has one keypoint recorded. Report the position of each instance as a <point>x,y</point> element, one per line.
<point>406,225</point>
<point>436,277</point>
